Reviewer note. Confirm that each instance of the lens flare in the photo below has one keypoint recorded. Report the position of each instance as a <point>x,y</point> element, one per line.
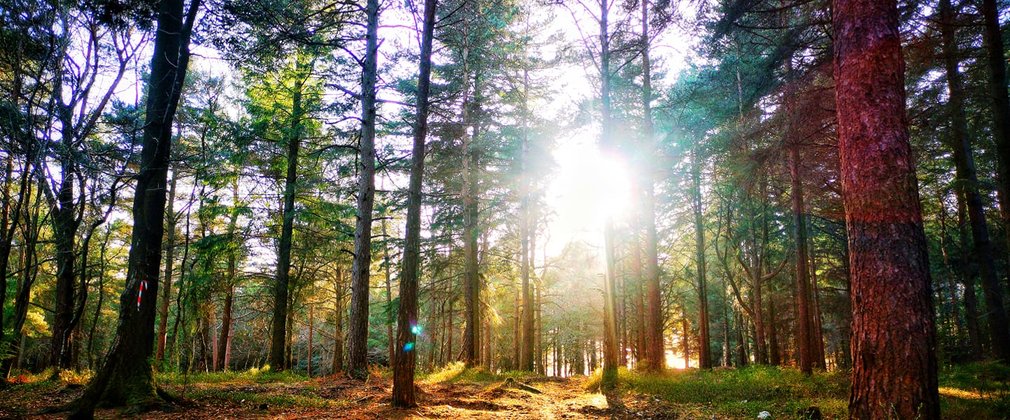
<point>408,347</point>
<point>416,329</point>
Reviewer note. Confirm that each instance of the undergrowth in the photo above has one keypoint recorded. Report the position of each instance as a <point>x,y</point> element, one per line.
<point>975,391</point>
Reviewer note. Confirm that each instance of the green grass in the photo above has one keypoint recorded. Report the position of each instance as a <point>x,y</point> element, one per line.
<point>974,391</point>
<point>270,398</point>
<point>253,375</point>
<point>458,373</point>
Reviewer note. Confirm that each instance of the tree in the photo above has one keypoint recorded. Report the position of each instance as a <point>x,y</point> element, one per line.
<point>967,184</point>
<point>704,341</point>
<point>357,342</point>
<point>996,62</point>
<point>894,342</point>
<point>293,139</point>
<point>407,326</point>
<point>127,377</point>
<point>654,349</point>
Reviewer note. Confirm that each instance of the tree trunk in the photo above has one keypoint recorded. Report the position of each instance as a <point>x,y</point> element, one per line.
<point>8,226</point>
<point>338,333</point>
<point>29,272</point>
<point>311,332</point>
<point>608,143</point>
<point>816,322</point>
<point>224,341</point>
<point>686,327</point>
<point>803,327</point>
<point>406,354</point>
<point>967,184</point>
<point>525,336</point>
<point>278,338</point>
<point>741,341</point>
<point>654,353</point>
<point>996,60</point>
<point>65,224</point>
<point>127,376</point>
<point>471,275</point>
<point>704,346</point>
<point>92,359</point>
<point>774,354</point>
<point>389,293</point>
<point>894,337</point>
<point>357,339</point>
<point>166,292</point>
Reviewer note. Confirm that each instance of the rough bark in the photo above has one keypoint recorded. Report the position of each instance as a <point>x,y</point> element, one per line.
<point>357,338</point>
<point>127,376</point>
<point>406,351</point>
<point>893,331</point>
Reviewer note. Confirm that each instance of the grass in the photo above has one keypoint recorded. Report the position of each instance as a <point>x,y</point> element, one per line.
<point>254,375</point>
<point>272,398</point>
<point>975,391</point>
<point>458,373</point>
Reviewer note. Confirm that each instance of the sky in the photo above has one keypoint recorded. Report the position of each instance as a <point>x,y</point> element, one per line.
<point>587,185</point>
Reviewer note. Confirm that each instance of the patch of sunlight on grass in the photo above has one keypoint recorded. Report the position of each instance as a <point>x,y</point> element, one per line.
<point>70,377</point>
<point>457,372</point>
<point>744,392</point>
<point>448,373</point>
<point>960,393</point>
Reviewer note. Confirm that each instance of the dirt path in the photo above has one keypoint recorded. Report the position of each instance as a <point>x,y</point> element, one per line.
<point>342,398</point>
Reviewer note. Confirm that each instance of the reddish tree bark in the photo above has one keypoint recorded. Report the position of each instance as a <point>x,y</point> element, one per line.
<point>893,331</point>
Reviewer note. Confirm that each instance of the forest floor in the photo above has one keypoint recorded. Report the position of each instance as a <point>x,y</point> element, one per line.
<point>979,391</point>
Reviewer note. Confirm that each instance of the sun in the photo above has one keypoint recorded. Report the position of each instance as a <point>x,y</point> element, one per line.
<point>589,187</point>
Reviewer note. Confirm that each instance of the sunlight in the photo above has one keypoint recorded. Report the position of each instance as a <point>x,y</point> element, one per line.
<point>589,187</point>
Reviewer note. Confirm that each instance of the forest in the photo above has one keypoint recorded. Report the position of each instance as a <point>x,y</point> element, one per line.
<point>764,209</point>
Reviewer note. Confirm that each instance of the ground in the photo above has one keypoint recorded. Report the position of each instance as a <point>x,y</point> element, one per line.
<point>978,391</point>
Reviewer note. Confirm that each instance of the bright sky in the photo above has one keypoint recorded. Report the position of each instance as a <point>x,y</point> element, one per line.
<point>586,186</point>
